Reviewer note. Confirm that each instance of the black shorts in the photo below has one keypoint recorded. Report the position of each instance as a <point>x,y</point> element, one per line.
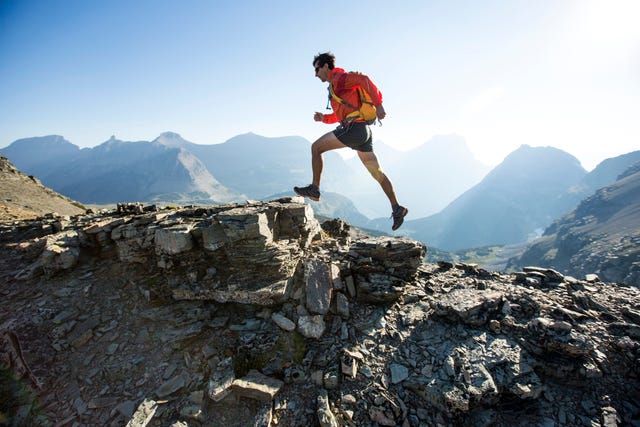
<point>355,135</point>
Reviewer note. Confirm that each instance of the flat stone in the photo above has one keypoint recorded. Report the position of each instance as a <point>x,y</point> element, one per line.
<point>399,373</point>
<point>318,286</point>
<point>102,402</point>
<point>257,386</point>
<point>143,415</point>
<point>171,386</point>
<point>283,322</point>
<point>83,332</point>
<point>550,274</point>
<point>213,237</point>
<point>174,240</point>
<point>311,326</point>
<point>126,408</point>
<point>473,307</point>
<point>342,305</point>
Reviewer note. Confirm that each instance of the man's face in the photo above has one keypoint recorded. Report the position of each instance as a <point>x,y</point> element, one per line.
<point>322,72</point>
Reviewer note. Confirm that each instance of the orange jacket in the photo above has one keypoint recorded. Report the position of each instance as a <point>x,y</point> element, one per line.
<point>344,86</point>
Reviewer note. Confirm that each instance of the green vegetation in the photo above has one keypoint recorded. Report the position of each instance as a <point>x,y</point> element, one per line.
<point>18,405</point>
<point>492,258</point>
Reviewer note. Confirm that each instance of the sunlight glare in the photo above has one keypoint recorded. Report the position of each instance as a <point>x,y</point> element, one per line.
<point>612,20</point>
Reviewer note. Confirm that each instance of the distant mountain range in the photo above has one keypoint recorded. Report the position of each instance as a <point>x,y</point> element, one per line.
<point>601,235</point>
<point>118,171</point>
<point>246,166</point>
<point>258,166</point>
<point>513,203</point>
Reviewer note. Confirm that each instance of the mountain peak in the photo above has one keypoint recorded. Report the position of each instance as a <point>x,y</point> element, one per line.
<point>169,134</point>
<point>172,140</point>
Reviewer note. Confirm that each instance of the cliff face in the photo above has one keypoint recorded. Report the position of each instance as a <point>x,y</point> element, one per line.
<point>255,314</point>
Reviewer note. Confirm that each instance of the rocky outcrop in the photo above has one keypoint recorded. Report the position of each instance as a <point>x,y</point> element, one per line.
<point>256,314</point>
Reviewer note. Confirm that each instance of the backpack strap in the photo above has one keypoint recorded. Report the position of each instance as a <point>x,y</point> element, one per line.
<point>353,115</point>
<point>332,93</point>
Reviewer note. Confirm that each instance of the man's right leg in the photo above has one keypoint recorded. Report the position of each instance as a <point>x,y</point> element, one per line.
<point>398,212</point>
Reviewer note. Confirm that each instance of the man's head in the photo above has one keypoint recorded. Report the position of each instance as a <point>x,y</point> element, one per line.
<point>323,63</point>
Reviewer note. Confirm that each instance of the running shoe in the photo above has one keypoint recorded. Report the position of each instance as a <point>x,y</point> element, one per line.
<point>310,191</point>
<point>398,214</point>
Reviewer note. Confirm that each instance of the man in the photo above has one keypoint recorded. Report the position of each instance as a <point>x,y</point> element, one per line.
<point>353,131</point>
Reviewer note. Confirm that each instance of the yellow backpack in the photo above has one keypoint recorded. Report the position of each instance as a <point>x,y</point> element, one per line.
<point>366,111</point>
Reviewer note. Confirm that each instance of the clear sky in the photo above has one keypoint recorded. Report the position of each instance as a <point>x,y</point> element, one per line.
<point>500,73</point>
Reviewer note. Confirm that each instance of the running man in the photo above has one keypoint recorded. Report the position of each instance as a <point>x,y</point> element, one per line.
<point>353,131</point>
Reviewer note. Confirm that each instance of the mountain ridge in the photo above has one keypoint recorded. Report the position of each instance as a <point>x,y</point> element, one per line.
<point>23,196</point>
<point>505,207</point>
<point>117,170</point>
<point>601,235</point>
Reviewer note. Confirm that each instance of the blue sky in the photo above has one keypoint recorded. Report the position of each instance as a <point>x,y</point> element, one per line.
<point>501,73</point>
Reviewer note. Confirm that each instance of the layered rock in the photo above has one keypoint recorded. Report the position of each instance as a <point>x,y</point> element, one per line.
<point>253,314</point>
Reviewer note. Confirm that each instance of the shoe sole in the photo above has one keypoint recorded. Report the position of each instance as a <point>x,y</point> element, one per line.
<point>315,199</point>
<point>404,213</point>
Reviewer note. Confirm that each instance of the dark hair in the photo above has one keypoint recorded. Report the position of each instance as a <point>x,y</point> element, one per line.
<point>324,58</point>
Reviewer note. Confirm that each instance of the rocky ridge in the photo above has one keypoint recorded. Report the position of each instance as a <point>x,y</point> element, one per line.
<point>602,235</point>
<point>257,315</point>
<point>23,196</point>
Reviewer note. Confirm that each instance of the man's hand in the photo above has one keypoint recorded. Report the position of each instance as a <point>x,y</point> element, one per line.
<point>318,117</point>
<point>380,112</point>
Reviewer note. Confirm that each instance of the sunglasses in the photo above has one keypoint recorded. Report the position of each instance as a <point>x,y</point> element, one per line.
<point>317,68</point>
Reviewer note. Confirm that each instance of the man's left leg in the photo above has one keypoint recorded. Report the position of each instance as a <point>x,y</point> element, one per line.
<point>370,161</point>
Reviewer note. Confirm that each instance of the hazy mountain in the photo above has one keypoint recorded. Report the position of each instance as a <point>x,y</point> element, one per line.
<point>607,172</point>
<point>259,166</point>
<point>601,235</point>
<point>41,155</point>
<point>516,200</point>
<point>426,179</point>
<point>117,171</point>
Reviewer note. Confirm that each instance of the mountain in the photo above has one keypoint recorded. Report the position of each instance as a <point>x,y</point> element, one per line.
<point>606,172</point>
<point>601,235</point>
<point>516,200</point>
<point>117,171</point>
<point>426,179</point>
<point>23,196</point>
<point>259,166</point>
<point>41,155</point>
